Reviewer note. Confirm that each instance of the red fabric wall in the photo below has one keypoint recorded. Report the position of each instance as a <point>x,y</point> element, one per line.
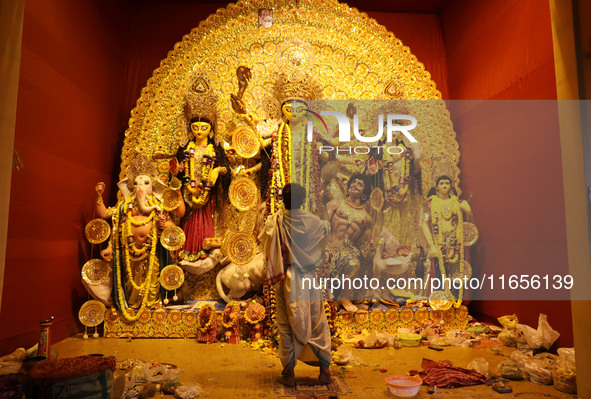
<point>69,121</point>
<point>502,49</point>
<point>156,27</point>
<point>423,34</point>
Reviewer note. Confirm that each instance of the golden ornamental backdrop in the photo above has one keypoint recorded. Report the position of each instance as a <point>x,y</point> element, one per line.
<point>348,53</point>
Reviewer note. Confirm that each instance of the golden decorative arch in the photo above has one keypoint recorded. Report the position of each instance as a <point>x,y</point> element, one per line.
<point>347,52</point>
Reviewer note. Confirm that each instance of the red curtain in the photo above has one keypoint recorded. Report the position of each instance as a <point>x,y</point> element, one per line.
<point>70,119</point>
<point>500,50</point>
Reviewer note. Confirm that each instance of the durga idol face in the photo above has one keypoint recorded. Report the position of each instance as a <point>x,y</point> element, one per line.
<point>200,130</point>
<point>293,110</point>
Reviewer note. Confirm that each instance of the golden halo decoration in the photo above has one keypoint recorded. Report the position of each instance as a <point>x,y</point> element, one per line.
<point>377,199</point>
<point>241,248</point>
<point>172,277</point>
<point>243,193</point>
<point>245,142</point>
<point>470,234</point>
<point>95,271</point>
<point>97,231</point>
<point>441,300</point>
<point>171,199</point>
<point>466,271</point>
<point>172,238</point>
<point>371,64</point>
<point>295,54</point>
<point>92,313</point>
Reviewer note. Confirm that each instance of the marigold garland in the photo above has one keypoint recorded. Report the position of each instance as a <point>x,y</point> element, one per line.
<point>126,231</point>
<point>233,314</point>
<point>271,306</point>
<point>403,182</point>
<point>207,160</point>
<point>204,328</point>
<point>254,313</point>
<point>454,213</point>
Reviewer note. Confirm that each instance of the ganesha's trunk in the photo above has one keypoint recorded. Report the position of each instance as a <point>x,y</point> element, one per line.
<point>141,200</point>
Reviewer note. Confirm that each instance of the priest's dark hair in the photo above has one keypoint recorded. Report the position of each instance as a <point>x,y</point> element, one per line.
<point>294,196</point>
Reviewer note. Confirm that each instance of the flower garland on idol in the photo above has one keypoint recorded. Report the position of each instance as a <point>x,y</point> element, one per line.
<point>271,306</point>
<point>199,192</point>
<point>231,316</point>
<point>129,247</point>
<point>453,244</point>
<point>254,315</point>
<point>400,187</point>
<point>281,166</point>
<point>202,325</point>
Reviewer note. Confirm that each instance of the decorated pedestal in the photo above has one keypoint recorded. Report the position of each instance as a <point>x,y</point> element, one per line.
<point>164,323</point>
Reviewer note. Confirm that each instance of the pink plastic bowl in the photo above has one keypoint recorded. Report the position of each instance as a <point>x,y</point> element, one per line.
<point>404,386</point>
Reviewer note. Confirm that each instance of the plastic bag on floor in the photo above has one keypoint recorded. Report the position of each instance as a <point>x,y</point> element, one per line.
<point>479,364</point>
<point>458,338</point>
<point>549,359</point>
<point>188,391</point>
<point>538,371</point>
<point>509,337</point>
<point>344,356</point>
<point>376,339</point>
<point>437,340</point>
<point>509,321</point>
<point>521,358</point>
<point>157,373</point>
<point>543,337</point>
<point>511,370</point>
<point>565,371</point>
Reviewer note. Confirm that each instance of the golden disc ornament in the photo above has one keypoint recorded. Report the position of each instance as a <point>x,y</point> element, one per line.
<point>470,234</point>
<point>246,142</point>
<point>241,248</point>
<point>441,300</point>
<point>95,271</point>
<point>172,238</point>
<point>172,277</point>
<point>92,313</point>
<point>171,199</point>
<point>97,231</point>
<point>466,271</point>
<point>243,193</point>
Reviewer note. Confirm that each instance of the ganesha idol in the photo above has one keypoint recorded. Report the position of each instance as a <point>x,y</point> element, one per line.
<point>134,247</point>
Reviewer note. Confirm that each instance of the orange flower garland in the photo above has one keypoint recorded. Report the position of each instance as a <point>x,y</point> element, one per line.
<point>255,313</point>
<point>232,315</point>
<point>205,327</point>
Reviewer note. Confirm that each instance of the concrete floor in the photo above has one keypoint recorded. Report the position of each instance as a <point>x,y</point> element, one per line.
<point>237,371</point>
